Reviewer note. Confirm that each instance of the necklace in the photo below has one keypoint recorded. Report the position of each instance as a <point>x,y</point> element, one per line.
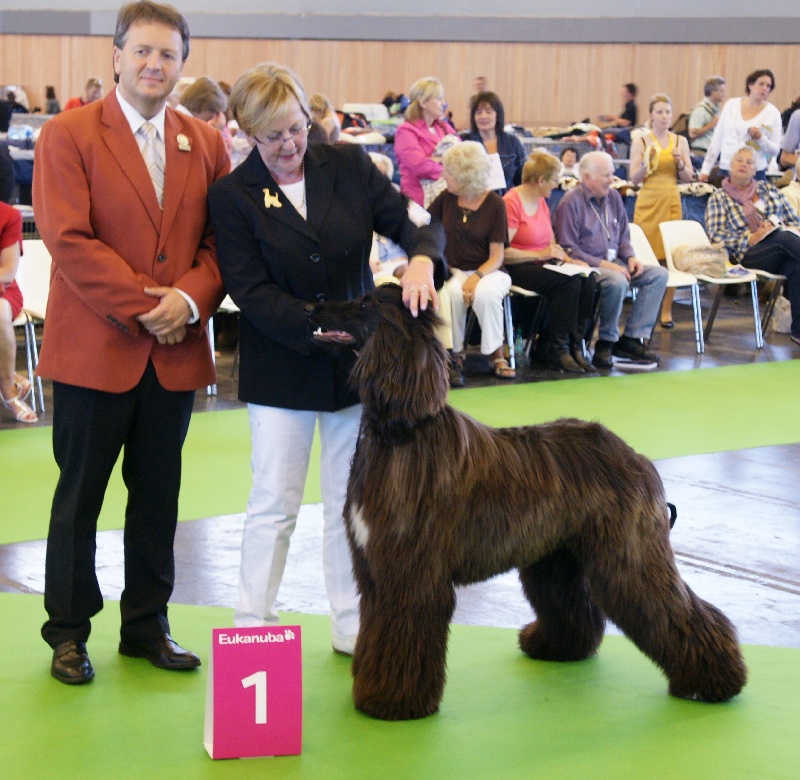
<point>464,211</point>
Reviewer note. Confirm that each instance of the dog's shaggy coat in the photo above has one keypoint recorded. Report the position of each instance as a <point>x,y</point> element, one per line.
<point>436,499</point>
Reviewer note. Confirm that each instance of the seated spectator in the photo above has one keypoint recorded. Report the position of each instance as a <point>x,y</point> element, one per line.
<point>14,388</point>
<point>51,104</point>
<point>16,108</point>
<point>792,192</point>
<point>8,176</point>
<point>620,126</point>
<point>749,218</point>
<point>323,114</point>
<point>533,245</point>
<point>569,163</point>
<point>705,115</point>
<point>5,116</point>
<point>387,260</point>
<point>790,143</point>
<point>592,226</point>
<point>205,100</point>
<point>415,140</point>
<point>474,221</point>
<point>487,119</point>
<point>91,92</point>
<point>751,119</point>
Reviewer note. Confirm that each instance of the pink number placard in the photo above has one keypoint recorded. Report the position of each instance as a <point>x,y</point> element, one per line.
<point>254,698</point>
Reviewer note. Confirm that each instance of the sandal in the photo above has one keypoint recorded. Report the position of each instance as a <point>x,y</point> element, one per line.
<point>23,386</point>
<point>21,411</point>
<point>502,370</point>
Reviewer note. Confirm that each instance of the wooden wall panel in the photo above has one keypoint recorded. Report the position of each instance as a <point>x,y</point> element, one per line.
<point>539,83</point>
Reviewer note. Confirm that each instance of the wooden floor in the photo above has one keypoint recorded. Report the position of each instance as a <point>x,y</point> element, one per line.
<point>736,540</point>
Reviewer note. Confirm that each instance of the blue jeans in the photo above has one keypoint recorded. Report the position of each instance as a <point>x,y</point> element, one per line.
<point>650,285</point>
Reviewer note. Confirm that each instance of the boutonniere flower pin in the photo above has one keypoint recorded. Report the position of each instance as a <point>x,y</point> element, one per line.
<point>184,143</point>
<point>271,200</point>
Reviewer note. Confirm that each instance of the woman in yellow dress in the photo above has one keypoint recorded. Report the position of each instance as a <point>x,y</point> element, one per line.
<point>659,159</point>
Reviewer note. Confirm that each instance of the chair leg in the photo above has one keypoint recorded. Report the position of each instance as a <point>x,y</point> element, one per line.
<point>713,314</point>
<point>212,389</point>
<point>512,359</point>
<point>777,288</point>
<point>697,314</point>
<point>756,315</point>
<point>32,359</point>
<point>536,324</point>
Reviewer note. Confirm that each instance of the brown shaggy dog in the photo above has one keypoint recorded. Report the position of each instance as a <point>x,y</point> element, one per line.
<point>436,499</point>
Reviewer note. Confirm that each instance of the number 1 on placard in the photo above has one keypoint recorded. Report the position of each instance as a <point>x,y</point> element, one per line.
<point>259,679</point>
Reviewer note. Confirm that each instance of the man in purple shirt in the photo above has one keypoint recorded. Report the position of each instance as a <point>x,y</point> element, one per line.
<point>592,227</point>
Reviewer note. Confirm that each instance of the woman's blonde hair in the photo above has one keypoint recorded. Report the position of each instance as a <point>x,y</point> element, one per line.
<point>469,164</point>
<point>659,97</point>
<point>319,102</point>
<point>539,165</point>
<point>421,90</point>
<point>265,94</point>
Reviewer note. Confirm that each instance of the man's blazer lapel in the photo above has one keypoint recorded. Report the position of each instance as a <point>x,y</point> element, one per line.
<point>178,162</point>
<point>123,147</point>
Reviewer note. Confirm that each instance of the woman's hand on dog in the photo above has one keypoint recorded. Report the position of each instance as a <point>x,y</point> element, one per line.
<point>417,284</point>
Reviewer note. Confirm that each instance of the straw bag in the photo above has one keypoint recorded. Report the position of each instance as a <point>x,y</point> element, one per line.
<point>701,260</point>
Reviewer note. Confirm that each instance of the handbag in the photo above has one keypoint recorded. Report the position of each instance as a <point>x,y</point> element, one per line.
<point>781,321</point>
<point>430,189</point>
<point>709,260</point>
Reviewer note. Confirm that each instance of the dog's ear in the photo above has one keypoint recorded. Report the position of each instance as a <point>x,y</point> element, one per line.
<point>402,373</point>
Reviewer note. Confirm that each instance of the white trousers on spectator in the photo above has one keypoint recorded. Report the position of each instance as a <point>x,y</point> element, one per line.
<point>488,307</point>
<point>282,441</point>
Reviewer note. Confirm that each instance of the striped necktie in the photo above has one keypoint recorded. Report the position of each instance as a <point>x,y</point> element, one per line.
<point>153,160</point>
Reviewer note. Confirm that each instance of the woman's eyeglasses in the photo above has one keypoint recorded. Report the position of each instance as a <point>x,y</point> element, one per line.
<point>293,132</point>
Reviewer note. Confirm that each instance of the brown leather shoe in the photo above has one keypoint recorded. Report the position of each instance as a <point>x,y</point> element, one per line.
<point>71,664</point>
<point>163,652</point>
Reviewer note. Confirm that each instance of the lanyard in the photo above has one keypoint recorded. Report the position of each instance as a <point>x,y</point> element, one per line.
<point>605,214</point>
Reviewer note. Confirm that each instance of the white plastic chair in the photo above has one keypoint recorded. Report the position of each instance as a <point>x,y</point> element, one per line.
<point>369,110</point>
<point>33,278</point>
<point>507,322</point>
<point>676,279</point>
<point>226,307</point>
<point>686,232</point>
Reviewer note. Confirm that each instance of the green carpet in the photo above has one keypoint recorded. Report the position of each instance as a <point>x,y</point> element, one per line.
<point>503,715</point>
<point>663,415</point>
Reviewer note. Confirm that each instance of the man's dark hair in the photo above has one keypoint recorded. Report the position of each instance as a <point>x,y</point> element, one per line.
<point>632,88</point>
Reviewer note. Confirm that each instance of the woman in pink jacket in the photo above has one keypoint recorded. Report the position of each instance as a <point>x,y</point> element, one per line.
<point>416,139</point>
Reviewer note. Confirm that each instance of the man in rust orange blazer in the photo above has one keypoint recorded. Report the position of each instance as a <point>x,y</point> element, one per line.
<point>133,285</point>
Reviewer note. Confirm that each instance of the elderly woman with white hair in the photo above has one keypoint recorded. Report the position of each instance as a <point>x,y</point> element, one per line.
<point>474,221</point>
<point>416,139</point>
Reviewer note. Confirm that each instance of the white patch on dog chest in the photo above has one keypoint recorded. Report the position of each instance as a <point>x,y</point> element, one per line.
<point>359,528</point>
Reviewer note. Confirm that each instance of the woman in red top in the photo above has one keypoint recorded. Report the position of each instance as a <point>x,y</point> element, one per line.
<point>13,387</point>
<point>532,246</point>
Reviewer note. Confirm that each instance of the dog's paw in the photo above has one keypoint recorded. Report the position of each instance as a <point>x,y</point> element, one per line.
<point>543,645</point>
<point>396,710</point>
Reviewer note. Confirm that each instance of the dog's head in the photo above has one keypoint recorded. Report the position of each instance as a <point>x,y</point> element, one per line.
<point>402,371</point>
